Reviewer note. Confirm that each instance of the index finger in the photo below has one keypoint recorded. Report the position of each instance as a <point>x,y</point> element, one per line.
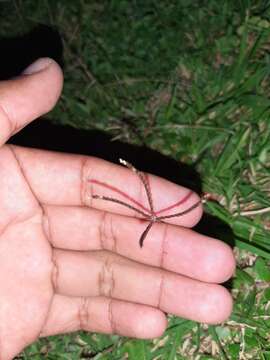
<point>67,179</point>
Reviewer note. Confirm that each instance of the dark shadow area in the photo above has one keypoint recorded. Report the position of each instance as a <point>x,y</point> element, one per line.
<point>43,134</point>
<point>19,52</point>
<point>216,228</point>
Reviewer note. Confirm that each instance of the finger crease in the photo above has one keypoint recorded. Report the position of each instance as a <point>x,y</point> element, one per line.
<point>113,237</point>
<point>83,313</point>
<point>84,187</point>
<point>55,273</point>
<point>22,171</point>
<point>161,285</point>
<point>106,279</point>
<point>163,243</point>
<point>107,237</point>
<point>111,318</point>
<point>46,225</point>
<point>102,230</point>
<point>42,332</point>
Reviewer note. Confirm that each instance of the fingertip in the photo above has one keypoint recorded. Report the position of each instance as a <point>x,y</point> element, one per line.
<point>218,306</point>
<point>220,264</point>
<point>227,263</point>
<point>138,320</point>
<point>197,213</point>
<point>37,66</point>
<point>151,325</point>
<point>56,73</point>
<point>50,75</point>
<point>28,96</point>
<point>195,209</point>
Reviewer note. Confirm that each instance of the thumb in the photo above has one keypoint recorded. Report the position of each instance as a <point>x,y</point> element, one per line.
<point>28,96</point>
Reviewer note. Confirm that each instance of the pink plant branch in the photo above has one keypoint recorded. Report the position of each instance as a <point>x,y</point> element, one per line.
<point>130,198</point>
<point>148,214</point>
<point>180,202</point>
<point>116,190</point>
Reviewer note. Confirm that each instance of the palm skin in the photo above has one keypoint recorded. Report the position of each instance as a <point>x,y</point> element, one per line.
<point>70,262</point>
<point>25,258</point>
<point>26,289</point>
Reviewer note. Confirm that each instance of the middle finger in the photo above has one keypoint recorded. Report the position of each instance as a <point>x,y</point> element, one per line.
<point>170,247</point>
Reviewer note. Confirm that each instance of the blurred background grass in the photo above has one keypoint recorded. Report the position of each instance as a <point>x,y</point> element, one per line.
<point>189,79</point>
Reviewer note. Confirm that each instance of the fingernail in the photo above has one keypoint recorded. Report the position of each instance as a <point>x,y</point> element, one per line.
<point>37,66</point>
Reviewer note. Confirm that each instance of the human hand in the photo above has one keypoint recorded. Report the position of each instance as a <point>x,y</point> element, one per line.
<point>70,262</point>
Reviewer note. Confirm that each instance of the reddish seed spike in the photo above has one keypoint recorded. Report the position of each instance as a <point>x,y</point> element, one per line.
<point>184,212</point>
<point>148,192</point>
<point>152,218</point>
<point>120,192</point>
<point>144,234</point>
<point>178,203</point>
<point>107,198</point>
<point>144,181</point>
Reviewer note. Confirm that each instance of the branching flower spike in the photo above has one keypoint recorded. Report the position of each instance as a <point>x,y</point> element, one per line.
<point>147,214</point>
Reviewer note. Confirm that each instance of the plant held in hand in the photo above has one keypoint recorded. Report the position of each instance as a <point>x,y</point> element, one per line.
<point>147,214</point>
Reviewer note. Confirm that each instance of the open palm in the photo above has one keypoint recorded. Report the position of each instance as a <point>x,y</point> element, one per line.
<point>70,262</point>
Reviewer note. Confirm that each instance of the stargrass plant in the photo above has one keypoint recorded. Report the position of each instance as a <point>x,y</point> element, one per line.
<point>190,78</point>
<point>149,214</point>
